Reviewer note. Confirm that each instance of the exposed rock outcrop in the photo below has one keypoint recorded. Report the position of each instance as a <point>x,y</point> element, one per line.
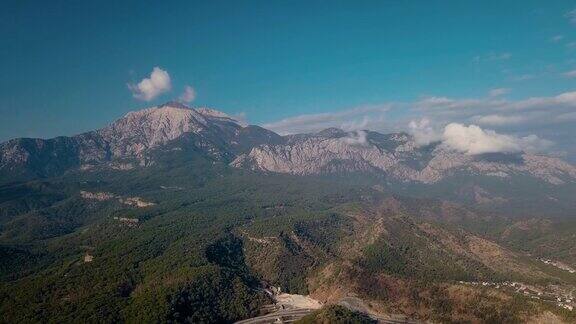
<point>131,141</point>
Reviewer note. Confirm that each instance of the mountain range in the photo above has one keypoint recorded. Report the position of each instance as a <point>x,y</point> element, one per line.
<point>141,137</point>
<point>131,141</point>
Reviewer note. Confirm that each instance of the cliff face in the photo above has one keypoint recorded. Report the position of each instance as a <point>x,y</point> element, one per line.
<point>126,142</point>
<point>129,141</point>
<point>396,155</point>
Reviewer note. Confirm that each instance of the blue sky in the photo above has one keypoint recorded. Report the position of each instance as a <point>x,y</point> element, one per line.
<point>66,64</point>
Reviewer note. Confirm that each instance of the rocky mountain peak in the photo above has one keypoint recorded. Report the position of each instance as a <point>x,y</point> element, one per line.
<point>213,133</point>
<point>332,132</point>
<point>395,155</point>
<point>174,104</point>
<point>401,137</point>
<point>143,129</point>
<point>205,111</point>
<point>214,114</point>
<point>165,117</point>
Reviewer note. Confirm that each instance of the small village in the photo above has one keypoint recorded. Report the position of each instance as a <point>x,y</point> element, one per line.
<point>558,265</point>
<point>552,294</point>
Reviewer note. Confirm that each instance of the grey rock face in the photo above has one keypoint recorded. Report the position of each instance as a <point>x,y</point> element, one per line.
<point>131,137</point>
<point>141,130</point>
<point>129,142</point>
<point>395,155</point>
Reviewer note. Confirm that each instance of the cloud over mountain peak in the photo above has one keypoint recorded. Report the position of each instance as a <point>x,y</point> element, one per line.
<point>149,88</point>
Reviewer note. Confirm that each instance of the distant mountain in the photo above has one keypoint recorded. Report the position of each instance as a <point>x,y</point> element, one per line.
<point>510,183</point>
<point>142,138</point>
<point>397,155</point>
<point>130,142</point>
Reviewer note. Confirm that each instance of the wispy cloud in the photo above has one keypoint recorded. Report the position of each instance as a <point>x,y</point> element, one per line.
<point>499,56</point>
<point>556,38</point>
<point>366,117</point>
<point>523,77</point>
<point>240,118</point>
<point>551,118</point>
<point>359,138</point>
<point>423,131</point>
<point>498,120</point>
<point>149,88</point>
<point>188,95</point>
<point>571,15</point>
<point>498,92</point>
<point>492,111</point>
<point>570,74</point>
<point>492,57</point>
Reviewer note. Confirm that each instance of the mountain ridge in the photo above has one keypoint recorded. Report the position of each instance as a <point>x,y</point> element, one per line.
<point>130,137</point>
<point>129,142</point>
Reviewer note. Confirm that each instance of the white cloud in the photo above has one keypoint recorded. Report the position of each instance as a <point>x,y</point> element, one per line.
<point>523,77</point>
<point>570,74</point>
<point>534,144</point>
<point>498,92</point>
<point>241,118</point>
<point>499,120</point>
<point>150,88</point>
<point>474,140</point>
<point>438,111</point>
<point>423,131</point>
<point>356,138</point>
<point>567,117</point>
<point>549,117</point>
<point>435,103</point>
<point>556,38</point>
<point>499,57</point>
<point>466,108</point>
<point>566,98</point>
<point>492,57</point>
<point>365,117</point>
<point>188,95</point>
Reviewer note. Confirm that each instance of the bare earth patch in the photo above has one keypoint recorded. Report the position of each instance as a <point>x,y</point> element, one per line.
<point>297,301</point>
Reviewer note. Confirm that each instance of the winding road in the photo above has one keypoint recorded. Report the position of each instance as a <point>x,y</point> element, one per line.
<point>292,315</point>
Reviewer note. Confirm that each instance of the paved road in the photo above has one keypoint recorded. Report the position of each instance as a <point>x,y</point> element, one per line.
<point>292,315</point>
<point>358,305</point>
<point>387,320</point>
<point>286,316</point>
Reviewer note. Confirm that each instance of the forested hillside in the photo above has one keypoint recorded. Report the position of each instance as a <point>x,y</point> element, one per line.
<point>194,242</point>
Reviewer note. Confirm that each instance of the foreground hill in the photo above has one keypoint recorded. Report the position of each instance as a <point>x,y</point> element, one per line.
<point>204,237</point>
